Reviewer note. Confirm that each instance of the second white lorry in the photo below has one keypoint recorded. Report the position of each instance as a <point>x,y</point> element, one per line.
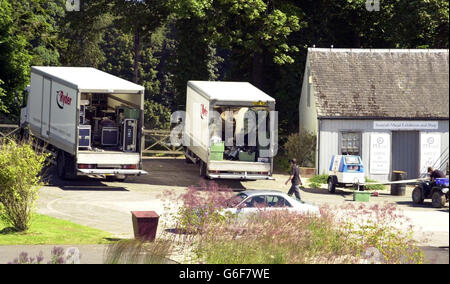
<point>230,130</point>
<point>91,120</point>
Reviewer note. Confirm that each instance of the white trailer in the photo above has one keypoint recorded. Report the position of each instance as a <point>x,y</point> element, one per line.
<point>91,120</point>
<point>237,150</point>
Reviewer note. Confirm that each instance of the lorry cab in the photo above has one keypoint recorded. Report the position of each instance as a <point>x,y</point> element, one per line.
<point>345,171</point>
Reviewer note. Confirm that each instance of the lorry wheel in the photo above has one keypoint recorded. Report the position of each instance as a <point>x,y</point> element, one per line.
<point>202,169</point>
<point>60,165</point>
<point>66,165</point>
<point>417,195</point>
<point>121,178</point>
<point>331,186</point>
<point>438,199</point>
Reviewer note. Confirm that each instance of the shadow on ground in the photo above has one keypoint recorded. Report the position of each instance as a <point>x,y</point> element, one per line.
<point>161,171</point>
<point>340,192</point>
<point>177,172</point>
<point>426,204</point>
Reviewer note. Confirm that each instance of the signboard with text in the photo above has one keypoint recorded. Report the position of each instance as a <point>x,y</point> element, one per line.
<point>405,125</point>
<point>380,153</point>
<point>430,150</point>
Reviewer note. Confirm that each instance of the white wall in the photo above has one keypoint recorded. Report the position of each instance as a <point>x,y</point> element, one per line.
<point>329,142</point>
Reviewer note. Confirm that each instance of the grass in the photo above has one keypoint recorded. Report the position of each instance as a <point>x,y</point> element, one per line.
<point>49,230</point>
<point>374,186</point>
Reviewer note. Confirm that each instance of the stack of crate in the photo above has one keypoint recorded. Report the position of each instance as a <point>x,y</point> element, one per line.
<point>217,150</point>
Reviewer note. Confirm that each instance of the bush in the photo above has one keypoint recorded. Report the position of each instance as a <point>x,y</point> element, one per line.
<point>320,179</point>
<point>376,187</point>
<point>58,256</point>
<point>301,147</point>
<point>200,206</point>
<point>348,234</point>
<point>20,166</point>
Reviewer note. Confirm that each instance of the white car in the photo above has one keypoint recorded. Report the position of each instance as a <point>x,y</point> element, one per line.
<point>254,201</point>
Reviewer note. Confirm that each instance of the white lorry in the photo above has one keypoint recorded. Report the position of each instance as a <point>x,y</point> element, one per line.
<point>230,130</point>
<point>91,120</point>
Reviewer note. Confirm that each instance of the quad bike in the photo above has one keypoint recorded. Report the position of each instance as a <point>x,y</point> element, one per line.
<point>436,190</point>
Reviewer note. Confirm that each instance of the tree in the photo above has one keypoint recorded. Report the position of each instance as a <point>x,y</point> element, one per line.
<point>84,31</point>
<point>142,18</point>
<point>38,21</point>
<point>14,60</point>
<point>253,29</point>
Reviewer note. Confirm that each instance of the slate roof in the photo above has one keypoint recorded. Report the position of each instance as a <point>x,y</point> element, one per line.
<point>364,83</point>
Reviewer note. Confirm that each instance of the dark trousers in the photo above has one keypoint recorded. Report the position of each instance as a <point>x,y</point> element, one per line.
<point>295,189</point>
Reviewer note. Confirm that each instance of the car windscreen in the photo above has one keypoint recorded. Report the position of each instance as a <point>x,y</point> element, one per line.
<point>232,202</point>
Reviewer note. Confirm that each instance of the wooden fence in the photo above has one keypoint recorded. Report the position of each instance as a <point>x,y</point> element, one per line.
<point>8,130</point>
<point>157,142</point>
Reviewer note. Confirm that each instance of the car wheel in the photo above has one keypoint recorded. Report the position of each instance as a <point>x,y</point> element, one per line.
<point>331,186</point>
<point>438,199</point>
<point>417,195</point>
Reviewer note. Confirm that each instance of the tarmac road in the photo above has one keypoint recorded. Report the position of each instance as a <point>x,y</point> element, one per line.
<point>107,205</point>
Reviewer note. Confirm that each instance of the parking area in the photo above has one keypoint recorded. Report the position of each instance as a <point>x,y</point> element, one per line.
<point>107,205</point>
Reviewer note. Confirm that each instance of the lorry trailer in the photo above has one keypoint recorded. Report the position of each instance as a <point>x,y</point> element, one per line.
<point>90,120</point>
<point>230,130</point>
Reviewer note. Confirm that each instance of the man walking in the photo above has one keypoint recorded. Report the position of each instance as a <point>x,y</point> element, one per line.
<point>295,179</point>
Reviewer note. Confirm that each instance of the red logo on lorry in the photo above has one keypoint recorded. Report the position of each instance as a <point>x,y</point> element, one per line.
<point>204,112</point>
<point>62,99</point>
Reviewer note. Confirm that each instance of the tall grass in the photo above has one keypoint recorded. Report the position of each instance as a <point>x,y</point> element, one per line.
<point>345,234</point>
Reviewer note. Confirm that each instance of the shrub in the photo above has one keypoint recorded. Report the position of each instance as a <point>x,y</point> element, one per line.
<point>301,147</point>
<point>201,205</point>
<point>58,256</point>
<point>347,234</point>
<point>376,187</point>
<point>320,179</point>
<point>20,166</point>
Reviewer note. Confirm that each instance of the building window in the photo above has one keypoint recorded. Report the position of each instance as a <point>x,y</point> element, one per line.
<point>351,143</point>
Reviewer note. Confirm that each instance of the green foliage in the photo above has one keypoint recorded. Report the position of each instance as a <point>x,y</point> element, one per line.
<point>320,179</point>
<point>302,147</point>
<point>314,185</point>
<point>20,166</point>
<point>162,44</point>
<point>282,237</point>
<point>14,58</point>
<point>48,230</point>
<point>376,187</point>
<point>156,116</point>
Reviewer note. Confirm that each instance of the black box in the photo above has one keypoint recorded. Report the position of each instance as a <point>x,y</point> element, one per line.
<point>110,136</point>
<point>129,135</point>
